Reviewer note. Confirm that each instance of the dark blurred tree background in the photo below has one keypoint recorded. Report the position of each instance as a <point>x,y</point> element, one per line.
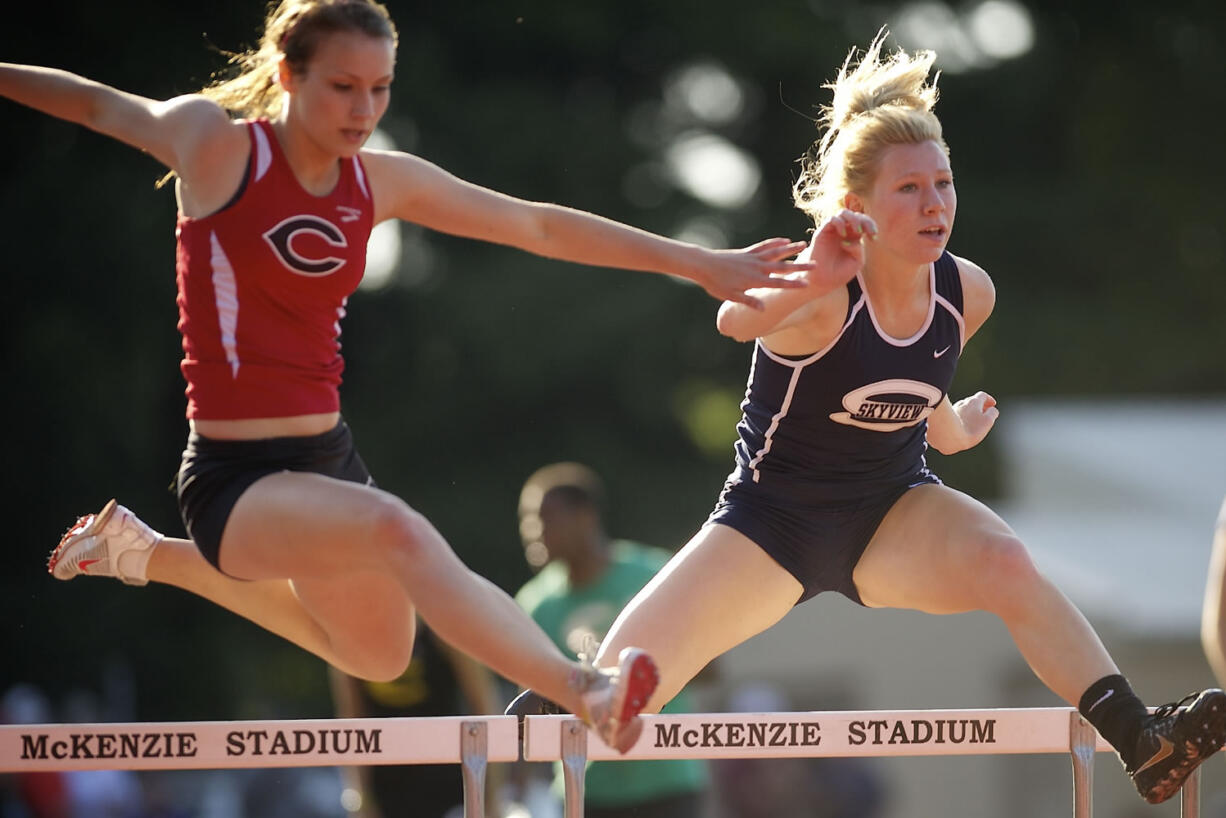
<point>1090,171</point>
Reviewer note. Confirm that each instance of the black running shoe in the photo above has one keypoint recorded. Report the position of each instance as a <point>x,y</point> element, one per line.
<point>1174,742</point>
<point>531,703</point>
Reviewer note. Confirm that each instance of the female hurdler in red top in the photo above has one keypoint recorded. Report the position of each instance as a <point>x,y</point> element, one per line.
<point>262,289</point>
<point>275,206</point>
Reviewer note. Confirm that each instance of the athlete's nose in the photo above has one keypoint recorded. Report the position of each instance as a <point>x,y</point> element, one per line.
<point>364,106</point>
<point>932,201</point>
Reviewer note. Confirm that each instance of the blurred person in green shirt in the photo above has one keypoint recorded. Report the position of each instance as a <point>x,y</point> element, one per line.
<point>585,579</point>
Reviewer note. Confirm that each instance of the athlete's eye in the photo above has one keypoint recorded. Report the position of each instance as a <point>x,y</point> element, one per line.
<point>342,86</point>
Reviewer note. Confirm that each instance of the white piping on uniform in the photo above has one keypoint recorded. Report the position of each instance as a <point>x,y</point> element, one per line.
<point>225,297</point>
<point>360,172</point>
<point>957,317</point>
<point>263,153</point>
<point>770,432</point>
<point>932,303</point>
<point>797,367</point>
<point>340,313</point>
<point>779,359</point>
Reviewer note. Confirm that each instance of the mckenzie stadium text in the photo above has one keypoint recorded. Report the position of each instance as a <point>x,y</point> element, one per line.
<point>809,733</point>
<point>104,744</point>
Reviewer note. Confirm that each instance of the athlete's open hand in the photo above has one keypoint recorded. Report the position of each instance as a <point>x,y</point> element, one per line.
<point>838,246</point>
<point>727,274</point>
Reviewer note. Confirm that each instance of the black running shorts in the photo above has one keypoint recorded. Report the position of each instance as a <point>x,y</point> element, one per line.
<point>214,474</point>
<point>819,543</point>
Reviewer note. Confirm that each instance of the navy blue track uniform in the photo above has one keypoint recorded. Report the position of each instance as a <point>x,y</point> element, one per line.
<point>829,441</point>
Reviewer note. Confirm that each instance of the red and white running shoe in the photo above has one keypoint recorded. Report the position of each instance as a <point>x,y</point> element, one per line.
<point>112,543</point>
<point>612,698</point>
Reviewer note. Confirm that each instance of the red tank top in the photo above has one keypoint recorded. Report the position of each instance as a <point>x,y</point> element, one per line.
<point>263,285</point>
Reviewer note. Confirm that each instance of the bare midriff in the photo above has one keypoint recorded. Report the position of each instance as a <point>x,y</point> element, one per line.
<point>261,428</point>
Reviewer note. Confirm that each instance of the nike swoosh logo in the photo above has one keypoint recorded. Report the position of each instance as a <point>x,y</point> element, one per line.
<point>942,352</point>
<point>85,564</point>
<point>1165,748</point>
<point>1110,692</point>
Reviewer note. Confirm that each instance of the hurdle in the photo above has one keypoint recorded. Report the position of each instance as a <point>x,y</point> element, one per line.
<point>471,742</point>
<point>475,741</point>
<point>819,734</point>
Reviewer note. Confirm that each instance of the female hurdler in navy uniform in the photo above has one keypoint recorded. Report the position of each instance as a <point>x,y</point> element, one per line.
<point>847,387</point>
<point>274,214</point>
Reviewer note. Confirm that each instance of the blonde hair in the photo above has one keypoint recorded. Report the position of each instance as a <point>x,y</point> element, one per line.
<point>879,101</point>
<point>293,28</point>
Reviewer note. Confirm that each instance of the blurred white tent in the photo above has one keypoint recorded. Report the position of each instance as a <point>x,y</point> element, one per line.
<point>1117,502</point>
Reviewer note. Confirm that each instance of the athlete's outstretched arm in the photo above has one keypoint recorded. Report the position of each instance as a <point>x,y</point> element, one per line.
<point>410,188</point>
<point>176,132</point>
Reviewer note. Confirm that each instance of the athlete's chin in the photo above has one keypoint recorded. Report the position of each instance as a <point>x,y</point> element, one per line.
<point>351,141</point>
<point>929,253</point>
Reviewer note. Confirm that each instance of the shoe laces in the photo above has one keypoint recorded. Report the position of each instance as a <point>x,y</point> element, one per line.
<point>585,677</point>
<point>76,528</point>
<point>587,651</point>
<point>1175,708</point>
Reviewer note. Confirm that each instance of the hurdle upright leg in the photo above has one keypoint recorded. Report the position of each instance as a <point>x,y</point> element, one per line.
<point>574,766</point>
<point>474,754</point>
<point>1082,740</point>
<point>1189,804</point>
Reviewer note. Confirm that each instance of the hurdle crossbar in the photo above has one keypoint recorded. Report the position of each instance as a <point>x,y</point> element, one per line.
<point>822,734</point>
<point>819,734</point>
<point>474,741</point>
<point>468,741</point>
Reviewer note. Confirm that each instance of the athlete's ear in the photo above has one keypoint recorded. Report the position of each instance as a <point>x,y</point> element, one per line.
<point>285,75</point>
<point>853,203</point>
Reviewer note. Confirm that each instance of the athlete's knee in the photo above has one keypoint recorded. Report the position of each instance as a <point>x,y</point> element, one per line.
<point>378,666</point>
<point>399,531</point>
<point>1002,568</point>
<point>379,650</point>
<point>386,665</point>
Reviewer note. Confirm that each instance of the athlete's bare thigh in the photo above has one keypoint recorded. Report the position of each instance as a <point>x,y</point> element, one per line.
<point>928,551</point>
<point>299,525</point>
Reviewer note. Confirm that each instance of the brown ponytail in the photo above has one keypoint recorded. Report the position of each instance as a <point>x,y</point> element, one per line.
<point>293,28</point>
